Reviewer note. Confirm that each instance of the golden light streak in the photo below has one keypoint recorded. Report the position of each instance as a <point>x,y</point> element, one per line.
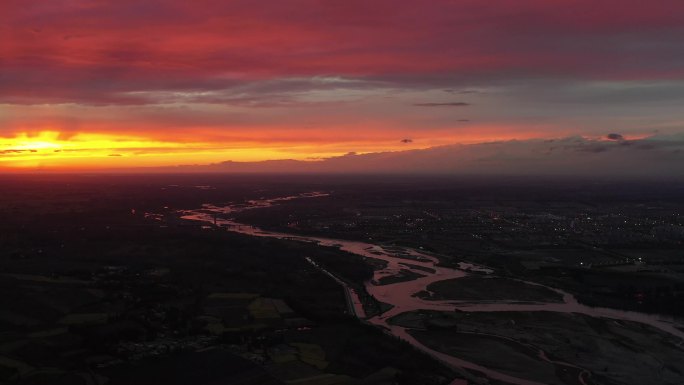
<point>52,150</point>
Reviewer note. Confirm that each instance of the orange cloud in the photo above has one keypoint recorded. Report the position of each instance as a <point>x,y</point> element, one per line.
<point>141,83</point>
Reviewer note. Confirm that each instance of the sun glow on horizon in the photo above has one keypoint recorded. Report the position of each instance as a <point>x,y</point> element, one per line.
<point>51,149</point>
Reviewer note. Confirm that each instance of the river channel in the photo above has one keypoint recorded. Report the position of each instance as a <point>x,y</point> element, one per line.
<point>401,295</point>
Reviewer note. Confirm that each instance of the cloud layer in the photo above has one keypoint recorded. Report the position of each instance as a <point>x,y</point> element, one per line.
<point>341,75</point>
<point>570,156</point>
<point>111,51</point>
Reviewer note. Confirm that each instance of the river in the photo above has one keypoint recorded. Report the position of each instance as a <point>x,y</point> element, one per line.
<point>401,295</point>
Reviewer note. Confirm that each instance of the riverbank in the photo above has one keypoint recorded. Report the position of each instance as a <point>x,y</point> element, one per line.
<point>525,298</point>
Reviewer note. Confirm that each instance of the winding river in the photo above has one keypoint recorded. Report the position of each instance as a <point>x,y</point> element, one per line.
<point>401,295</point>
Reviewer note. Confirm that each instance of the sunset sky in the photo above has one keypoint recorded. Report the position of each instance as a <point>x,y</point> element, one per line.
<point>96,84</point>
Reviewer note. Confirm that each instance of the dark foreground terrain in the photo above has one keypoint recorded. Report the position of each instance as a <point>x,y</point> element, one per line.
<point>96,290</point>
<point>102,282</point>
